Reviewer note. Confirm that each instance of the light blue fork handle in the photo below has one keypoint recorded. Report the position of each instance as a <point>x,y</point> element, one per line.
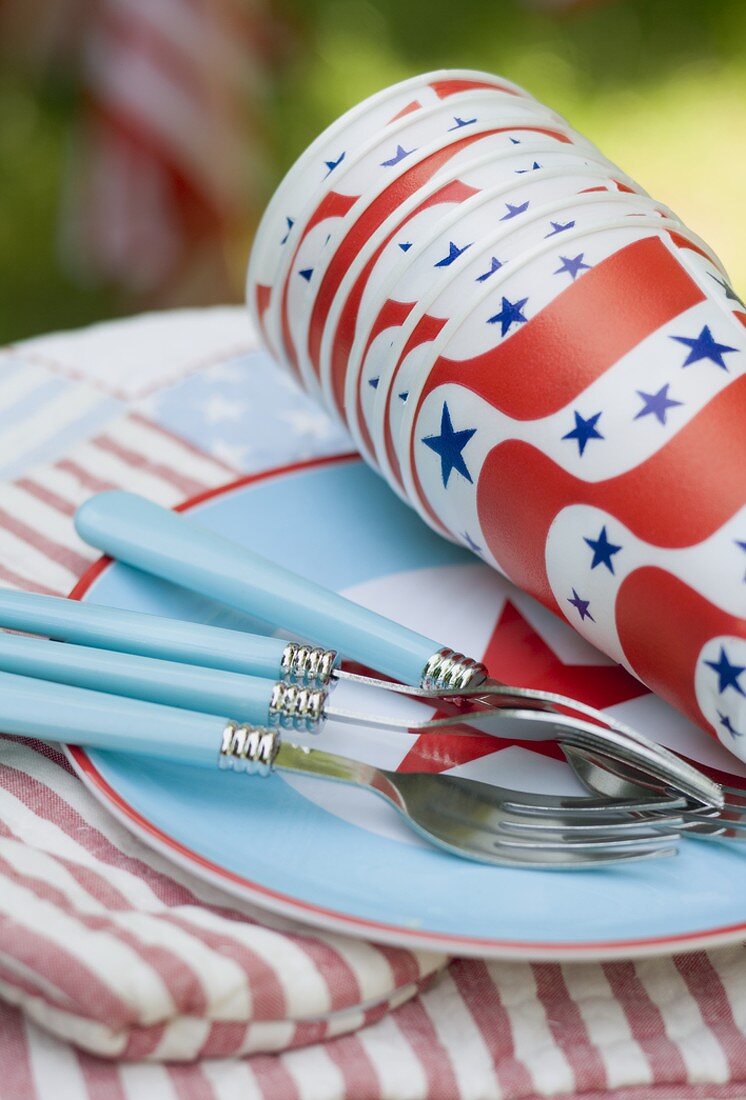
<point>147,635</point>
<point>151,538</point>
<point>63,714</point>
<point>210,690</point>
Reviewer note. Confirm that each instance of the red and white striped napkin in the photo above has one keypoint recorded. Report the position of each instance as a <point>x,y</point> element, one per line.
<point>120,975</point>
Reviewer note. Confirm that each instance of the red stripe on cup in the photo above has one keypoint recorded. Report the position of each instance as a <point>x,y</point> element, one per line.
<point>344,334</point>
<point>627,296</point>
<point>663,625</point>
<point>520,491</point>
<point>415,105</point>
<point>445,88</point>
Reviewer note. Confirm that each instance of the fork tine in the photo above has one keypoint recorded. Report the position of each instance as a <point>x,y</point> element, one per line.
<point>737,792</point>
<point>716,833</point>
<point>588,860</point>
<point>487,847</point>
<point>584,844</point>
<point>735,807</point>
<point>570,806</point>
<point>485,822</point>
<point>473,803</point>
<point>526,803</point>
<point>715,826</point>
<point>491,816</point>
<point>486,841</point>
<point>723,823</point>
<point>537,859</point>
<point>728,823</point>
<point>611,828</point>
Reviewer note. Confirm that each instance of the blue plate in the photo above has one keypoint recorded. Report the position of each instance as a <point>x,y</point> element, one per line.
<point>339,858</point>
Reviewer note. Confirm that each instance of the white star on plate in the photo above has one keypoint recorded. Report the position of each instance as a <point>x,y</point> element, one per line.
<point>231,371</point>
<point>218,408</point>
<point>308,422</point>
<point>233,454</point>
<point>148,406</point>
<point>287,382</point>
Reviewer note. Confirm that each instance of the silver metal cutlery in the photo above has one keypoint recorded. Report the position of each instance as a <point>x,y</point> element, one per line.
<point>474,820</point>
<point>491,824</point>
<point>614,779</point>
<point>260,701</point>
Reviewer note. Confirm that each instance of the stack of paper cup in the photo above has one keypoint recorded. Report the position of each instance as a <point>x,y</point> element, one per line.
<point>540,358</point>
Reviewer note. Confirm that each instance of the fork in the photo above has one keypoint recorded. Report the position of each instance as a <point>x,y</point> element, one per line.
<point>492,824</point>
<point>262,702</point>
<point>467,818</point>
<point>616,779</point>
<point>143,534</point>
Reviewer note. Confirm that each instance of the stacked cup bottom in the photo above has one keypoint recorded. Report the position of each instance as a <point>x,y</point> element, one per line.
<point>540,358</point>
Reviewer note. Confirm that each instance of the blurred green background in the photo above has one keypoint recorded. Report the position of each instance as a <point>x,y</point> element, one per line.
<point>659,85</point>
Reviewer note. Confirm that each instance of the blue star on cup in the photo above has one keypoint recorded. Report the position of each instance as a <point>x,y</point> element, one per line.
<point>449,446</point>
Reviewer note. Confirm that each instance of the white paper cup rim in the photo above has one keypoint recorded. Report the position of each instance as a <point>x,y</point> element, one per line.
<point>352,114</point>
<point>441,142</point>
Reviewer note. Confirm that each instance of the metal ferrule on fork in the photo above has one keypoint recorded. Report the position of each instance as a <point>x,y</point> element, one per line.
<point>308,665</point>
<point>250,749</point>
<point>449,671</point>
<point>296,707</point>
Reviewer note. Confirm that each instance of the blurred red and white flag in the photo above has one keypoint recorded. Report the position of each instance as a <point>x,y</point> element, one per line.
<point>167,168</point>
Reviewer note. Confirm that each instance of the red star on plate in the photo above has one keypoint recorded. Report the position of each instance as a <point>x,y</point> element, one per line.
<point>518,655</point>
